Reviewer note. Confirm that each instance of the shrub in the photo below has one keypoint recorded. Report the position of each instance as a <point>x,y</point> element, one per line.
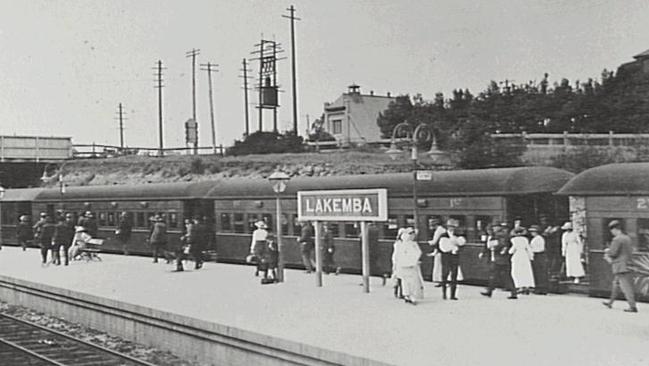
<point>267,143</point>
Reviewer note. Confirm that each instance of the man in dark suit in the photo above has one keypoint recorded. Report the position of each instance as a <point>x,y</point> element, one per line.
<point>619,254</point>
<point>499,262</point>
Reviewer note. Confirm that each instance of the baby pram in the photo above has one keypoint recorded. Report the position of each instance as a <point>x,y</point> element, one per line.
<point>84,246</point>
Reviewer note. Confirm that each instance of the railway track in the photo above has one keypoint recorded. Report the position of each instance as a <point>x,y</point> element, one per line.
<point>25,343</point>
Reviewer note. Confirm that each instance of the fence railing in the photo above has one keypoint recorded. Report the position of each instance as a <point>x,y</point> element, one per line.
<point>89,151</point>
<point>554,140</point>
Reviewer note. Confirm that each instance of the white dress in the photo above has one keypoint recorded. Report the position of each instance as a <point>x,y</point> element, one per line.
<point>521,266</point>
<point>572,249</point>
<point>405,261</point>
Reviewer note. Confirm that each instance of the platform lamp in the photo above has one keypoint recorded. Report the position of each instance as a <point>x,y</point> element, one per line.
<point>2,195</point>
<point>421,134</point>
<point>279,180</point>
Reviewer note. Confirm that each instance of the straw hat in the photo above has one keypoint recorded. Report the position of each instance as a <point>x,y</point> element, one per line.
<point>567,226</point>
<point>520,231</point>
<point>453,223</point>
<point>534,229</point>
<point>79,229</point>
<point>261,224</point>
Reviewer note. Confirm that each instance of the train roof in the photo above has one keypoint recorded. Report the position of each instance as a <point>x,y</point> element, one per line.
<point>151,191</point>
<point>610,180</point>
<point>485,182</point>
<point>21,194</point>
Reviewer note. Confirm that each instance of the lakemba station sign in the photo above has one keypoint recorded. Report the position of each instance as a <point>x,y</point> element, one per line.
<point>343,205</point>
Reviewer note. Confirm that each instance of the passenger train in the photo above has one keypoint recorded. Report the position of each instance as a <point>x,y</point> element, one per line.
<point>476,198</point>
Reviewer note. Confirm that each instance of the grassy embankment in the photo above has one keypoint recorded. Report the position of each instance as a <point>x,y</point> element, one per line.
<point>139,169</point>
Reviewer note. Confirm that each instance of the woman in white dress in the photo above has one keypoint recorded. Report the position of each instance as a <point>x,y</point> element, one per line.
<point>405,261</point>
<point>571,249</point>
<point>521,266</point>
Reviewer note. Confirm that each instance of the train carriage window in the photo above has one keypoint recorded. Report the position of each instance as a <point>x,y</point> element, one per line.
<point>606,233</point>
<point>101,218</point>
<point>643,235</point>
<point>334,227</point>
<point>390,227</point>
<point>481,225</point>
<point>173,220</point>
<point>239,226</point>
<point>226,224</point>
<point>140,219</point>
<point>352,230</point>
<point>110,219</point>
<point>284,224</point>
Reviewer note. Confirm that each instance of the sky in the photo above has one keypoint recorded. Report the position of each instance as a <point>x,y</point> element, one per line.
<point>65,65</point>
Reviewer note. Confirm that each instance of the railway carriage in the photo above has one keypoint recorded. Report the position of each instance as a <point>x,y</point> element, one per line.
<point>476,198</point>
<point>173,201</point>
<point>600,195</point>
<point>15,203</point>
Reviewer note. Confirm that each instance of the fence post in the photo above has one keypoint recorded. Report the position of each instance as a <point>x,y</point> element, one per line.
<point>610,138</point>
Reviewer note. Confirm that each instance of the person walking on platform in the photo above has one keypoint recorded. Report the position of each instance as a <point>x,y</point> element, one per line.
<point>36,229</point>
<point>373,245</point>
<point>158,238</point>
<point>273,255</point>
<point>63,235</point>
<point>328,249</point>
<point>552,237</point>
<point>438,231</point>
<point>521,255</point>
<point>500,266</point>
<point>572,249</point>
<point>449,245</point>
<point>24,232</point>
<point>405,261</point>
<point>89,222</point>
<point>124,229</point>
<point>45,235</point>
<point>540,262</point>
<point>619,255</point>
<point>259,247</point>
<point>307,246</point>
<point>198,237</point>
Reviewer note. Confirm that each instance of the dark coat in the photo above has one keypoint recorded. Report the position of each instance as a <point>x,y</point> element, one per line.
<point>306,237</point>
<point>124,229</point>
<point>501,251</point>
<point>620,253</point>
<point>64,232</point>
<point>158,234</point>
<point>46,234</point>
<point>24,231</point>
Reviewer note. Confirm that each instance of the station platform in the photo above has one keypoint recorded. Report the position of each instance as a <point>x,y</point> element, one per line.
<point>533,330</point>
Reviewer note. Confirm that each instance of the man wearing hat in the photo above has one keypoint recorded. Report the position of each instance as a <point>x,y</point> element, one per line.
<point>259,247</point>
<point>307,245</point>
<point>158,238</point>
<point>24,231</point>
<point>450,244</point>
<point>197,238</point>
<point>540,262</point>
<point>619,254</point>
<point>500,264</point>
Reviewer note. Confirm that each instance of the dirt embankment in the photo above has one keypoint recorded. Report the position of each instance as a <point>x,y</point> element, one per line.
<point>139,169</point>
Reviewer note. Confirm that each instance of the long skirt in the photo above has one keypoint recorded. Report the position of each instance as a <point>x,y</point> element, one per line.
<point>540,268</point>
<point>522,270</point>
<point>411,282</point>
<point>574,268</point>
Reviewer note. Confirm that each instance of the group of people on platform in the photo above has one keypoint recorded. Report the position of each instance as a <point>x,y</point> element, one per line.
<point>196,236</point>
<point>56,233</point>
<point>520,260</point>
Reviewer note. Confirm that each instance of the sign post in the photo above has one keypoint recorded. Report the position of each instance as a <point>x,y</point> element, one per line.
<point>355,205</point>
<point>318,254</point>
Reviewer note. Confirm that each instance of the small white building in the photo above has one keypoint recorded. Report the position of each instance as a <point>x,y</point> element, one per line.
<point>352,117</point>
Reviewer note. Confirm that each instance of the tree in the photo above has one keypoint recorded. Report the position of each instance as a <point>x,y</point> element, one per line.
<point>398,111</point>
<point>267,143</point>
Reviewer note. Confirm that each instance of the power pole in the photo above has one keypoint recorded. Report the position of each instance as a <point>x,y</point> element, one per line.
<point>245,77</point>
<point>121,118</point>
<point>274,47</point>
<point>293,73</point>
<point>193,53</point>
<point>209,67</point>
<point>261,84</point>
<point>159,85</point>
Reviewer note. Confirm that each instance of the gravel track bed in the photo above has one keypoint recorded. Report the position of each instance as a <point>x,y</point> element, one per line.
<point>149,354</point>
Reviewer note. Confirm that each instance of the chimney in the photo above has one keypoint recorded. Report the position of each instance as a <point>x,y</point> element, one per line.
<point>354,89</point>
<point>372,92</point>
<point>388,94</point>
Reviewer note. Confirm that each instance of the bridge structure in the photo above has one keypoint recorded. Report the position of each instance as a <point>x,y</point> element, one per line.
<point>24,158</point>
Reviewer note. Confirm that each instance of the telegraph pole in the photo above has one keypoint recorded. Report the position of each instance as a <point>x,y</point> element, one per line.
<point>274,46</point>
<point>293,73</point>
<point>159,85</point>
<point>193,53</point>
<point>209,67</point>
<point>261,84</point>
<point>121,118</point>
<point>245,93</point>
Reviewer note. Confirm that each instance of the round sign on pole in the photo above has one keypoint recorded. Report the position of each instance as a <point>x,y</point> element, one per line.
<point>279,187</point>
